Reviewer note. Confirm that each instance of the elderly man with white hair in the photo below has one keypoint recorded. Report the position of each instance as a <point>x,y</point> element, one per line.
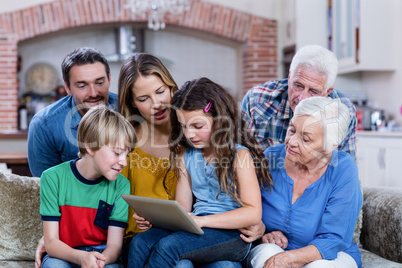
<point>268,107</point>
<point>311,213</point>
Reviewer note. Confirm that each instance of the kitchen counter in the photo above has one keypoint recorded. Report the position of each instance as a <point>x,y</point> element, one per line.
<point>389,134</point>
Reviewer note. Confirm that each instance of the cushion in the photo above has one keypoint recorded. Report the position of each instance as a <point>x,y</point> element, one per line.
<point>371,260</point>
<point>382,224</point>
<point>358,227</point>
<point>20,224</point>
<point>16,264</point>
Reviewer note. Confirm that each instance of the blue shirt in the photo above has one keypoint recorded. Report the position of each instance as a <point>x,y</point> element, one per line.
<point>267,111</point>
<point>325,214</point>
<point>52,134</point>
<point>205,185</point>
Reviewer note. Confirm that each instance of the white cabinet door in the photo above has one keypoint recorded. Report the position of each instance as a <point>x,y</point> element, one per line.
<point>370,156</point>
<point>379,161</point>
<point>393,162</point>
<point>359,30</point>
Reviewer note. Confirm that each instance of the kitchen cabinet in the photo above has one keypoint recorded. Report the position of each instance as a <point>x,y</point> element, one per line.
<point>379,158</point>
<point>362,35</point>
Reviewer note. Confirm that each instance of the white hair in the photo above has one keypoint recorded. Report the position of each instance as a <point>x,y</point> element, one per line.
<point>333,115</point>
<point>316,58</point>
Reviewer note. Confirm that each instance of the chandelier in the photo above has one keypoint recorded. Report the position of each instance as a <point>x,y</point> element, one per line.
<point>156,10</point>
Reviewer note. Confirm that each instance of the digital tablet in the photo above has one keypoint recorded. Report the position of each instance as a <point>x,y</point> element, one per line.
<point>162,213</point>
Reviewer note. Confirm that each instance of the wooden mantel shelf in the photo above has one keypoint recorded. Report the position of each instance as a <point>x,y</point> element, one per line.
<point>14,158</point>
<point>13,134</point>
<point>17,162</point>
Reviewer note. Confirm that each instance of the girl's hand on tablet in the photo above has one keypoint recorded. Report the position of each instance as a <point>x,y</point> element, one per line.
<point>141,222</point>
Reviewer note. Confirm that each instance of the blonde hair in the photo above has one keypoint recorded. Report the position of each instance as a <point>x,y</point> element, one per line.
<point>101,126</point>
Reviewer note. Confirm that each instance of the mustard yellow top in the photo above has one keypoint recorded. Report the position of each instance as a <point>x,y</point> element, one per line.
<point>146,174</point>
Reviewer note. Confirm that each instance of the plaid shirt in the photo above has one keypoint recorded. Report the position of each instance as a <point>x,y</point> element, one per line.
<point>266,109</point>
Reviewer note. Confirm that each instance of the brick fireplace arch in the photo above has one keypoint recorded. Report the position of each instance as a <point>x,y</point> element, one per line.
<point>259,36</point>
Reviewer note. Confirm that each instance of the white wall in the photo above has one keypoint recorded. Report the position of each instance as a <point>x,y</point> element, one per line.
<point>263,8</point>
<point>13,145</point>
<point>385,88</point>
<point>189,57</point>
<point>311,22</point>
<point>349,83</point>
<point>287,23</point>
<point>6,5</point>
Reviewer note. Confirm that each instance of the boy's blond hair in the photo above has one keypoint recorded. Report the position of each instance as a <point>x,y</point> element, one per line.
<point>101,126</point>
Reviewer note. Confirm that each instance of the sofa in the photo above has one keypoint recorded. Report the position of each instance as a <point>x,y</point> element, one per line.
<point>378,231</point>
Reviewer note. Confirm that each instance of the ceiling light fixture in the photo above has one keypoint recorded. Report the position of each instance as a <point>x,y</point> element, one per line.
<point>156,10</point>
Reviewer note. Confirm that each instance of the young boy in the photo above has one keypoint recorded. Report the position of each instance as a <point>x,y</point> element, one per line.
<point>81,207</point>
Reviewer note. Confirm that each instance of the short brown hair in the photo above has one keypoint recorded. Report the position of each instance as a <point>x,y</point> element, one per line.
<point>102,126</point>
<point>82,56</point>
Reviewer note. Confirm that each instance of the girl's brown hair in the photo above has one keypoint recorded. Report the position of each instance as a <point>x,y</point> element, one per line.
<point>230,129</point>
<point>139,64</point>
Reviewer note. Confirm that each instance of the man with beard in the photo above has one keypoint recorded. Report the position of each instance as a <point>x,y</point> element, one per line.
<point>52,134</point>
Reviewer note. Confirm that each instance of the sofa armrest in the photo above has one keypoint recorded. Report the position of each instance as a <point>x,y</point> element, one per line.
<point>20,223</point>
<point>382,222</point>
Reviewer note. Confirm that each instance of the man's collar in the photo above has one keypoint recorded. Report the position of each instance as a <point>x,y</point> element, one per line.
<point>75,115</point>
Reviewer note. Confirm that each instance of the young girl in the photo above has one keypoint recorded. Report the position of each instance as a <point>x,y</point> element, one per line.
<point>145,91</point>
<point>218,163</point>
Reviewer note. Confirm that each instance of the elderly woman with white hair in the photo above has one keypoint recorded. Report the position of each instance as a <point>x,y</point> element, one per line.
<point>311,212</point>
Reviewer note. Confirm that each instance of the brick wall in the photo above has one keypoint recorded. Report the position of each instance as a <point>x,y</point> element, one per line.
<point>8,81</point>
<point>259,36</point>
